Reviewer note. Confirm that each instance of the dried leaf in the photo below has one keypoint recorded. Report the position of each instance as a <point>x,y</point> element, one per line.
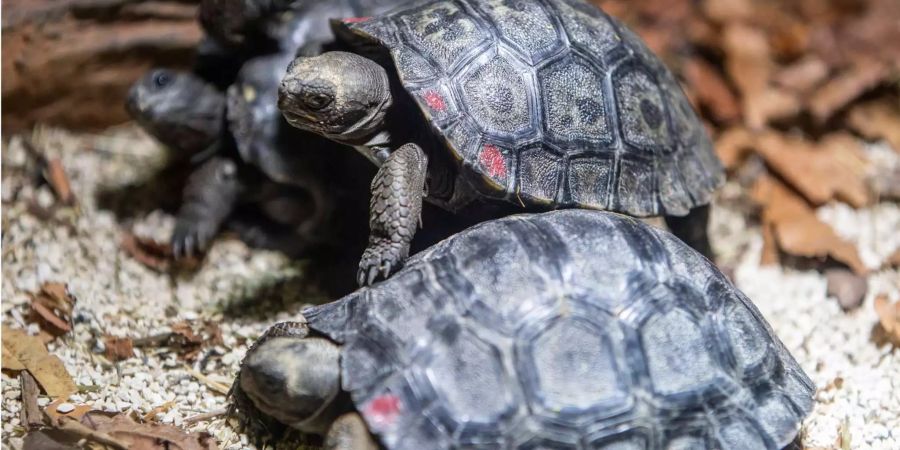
<point>711,90</point>
<point>797,230</point>
<point>47,369</point>
<point>155,255</point>
<point>52,306</point>
<point>878,119</point>
<point>52,411</point>
<point>59,181</point>
<point>723,11</point>
<point>147,436</point>
<point>118,349</point>
<point>888,317</point>
<point>803,75</point>
<point>820,175</point>
<point>10,362</point>
<point>150,253</point>
<point>749,65</point>
<point>847,87</point>
<point>733,145</point>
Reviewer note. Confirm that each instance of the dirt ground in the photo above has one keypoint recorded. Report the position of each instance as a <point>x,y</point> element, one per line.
<point>238,292</point>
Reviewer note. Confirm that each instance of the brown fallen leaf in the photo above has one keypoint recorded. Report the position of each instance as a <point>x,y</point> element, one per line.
<point>10,362</point>
<point>847,87</point>
<point>59,181</point>
<point>750,66</point>
<point>77,412</point>
<point>795,228</point>
<point>733,145</point>
<point>118,349</point>
<point>711,90</point>
<point>877,119</point>
<point>97,429</point>
<point>52,307</point>
<point>802,76</point>
<point>819,175</point>
<point>47,369</point>
<point>155,255</point>
<point>888,317</point>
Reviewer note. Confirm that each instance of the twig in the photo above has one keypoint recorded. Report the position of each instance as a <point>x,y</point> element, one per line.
<point>213,385</point>
<point>32,417</point>
<point>73,426</point>
<point>159,409</point>
<point>206,416</point>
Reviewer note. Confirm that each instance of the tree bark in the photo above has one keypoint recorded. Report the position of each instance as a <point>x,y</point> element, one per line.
<point>71,62</point>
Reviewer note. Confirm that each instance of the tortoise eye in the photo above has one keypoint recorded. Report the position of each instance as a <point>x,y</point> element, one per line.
<point>317,100</point>
<point>161,80</point>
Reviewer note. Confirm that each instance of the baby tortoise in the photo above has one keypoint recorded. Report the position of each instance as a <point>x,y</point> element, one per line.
<point>543,104</point>
<point>570,329</point>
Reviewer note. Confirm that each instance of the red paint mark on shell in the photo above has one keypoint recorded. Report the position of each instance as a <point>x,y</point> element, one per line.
<point>493,161</point>
<point>382,411</point>
<point>434,101</point>
<point>356,19</point>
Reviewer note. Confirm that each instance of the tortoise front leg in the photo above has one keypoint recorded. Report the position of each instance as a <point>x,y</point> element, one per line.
<point>349,432</point>
<point>394,212</point>
<point>209,197</point>
<point>693,230</point>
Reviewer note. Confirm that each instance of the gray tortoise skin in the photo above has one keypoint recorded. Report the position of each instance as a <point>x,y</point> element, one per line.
<point>552,101</point>
<point>570,329</point>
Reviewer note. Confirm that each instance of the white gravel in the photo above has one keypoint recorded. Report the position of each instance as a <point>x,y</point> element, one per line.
<point>245,290</point>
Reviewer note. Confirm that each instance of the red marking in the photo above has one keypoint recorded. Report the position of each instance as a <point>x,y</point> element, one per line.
<point>435,101</point>
<point>356,19</point>
<point>493,161</point>
<point>382,411</point>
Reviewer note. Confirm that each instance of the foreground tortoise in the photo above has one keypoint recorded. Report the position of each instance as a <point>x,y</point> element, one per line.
<point>564,330</point>
<point>546,104</point>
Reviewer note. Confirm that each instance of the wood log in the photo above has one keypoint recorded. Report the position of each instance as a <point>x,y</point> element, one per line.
<point>71,62</point>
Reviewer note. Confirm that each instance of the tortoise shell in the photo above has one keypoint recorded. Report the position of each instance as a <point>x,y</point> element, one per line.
<point>571,329</point>
<point>550,102</point>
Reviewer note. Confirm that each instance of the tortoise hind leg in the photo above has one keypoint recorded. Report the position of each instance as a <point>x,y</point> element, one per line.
<point>394,212</point>
<point>693,229</point>
<point>349,432</point>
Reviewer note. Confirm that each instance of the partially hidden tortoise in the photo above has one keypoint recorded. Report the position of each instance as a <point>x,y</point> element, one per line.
<point>545,104</point>
<point>569,329</point>
<point>241,133</point>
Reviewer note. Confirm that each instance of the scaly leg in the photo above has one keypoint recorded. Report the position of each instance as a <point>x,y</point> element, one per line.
<point>349,432</point>
<point>394,212</point>
<point>693,230</point>
<point>209,197</point>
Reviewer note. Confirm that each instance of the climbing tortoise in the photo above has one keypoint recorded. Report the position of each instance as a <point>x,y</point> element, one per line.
<point>545,104</point>
<point>569,329</point>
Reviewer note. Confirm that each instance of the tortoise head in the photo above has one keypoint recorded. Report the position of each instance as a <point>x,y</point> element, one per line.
<point>340,95</point>
<point>177,108</point>
<point>295,380</point>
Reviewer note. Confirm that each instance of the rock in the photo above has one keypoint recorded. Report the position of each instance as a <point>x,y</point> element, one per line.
<point>65,408</point>
<point>71,62</point>
<point>849,289</point>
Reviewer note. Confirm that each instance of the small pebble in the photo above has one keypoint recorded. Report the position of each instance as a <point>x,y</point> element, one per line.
<point>849,289</point>
<point>65,408</point>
